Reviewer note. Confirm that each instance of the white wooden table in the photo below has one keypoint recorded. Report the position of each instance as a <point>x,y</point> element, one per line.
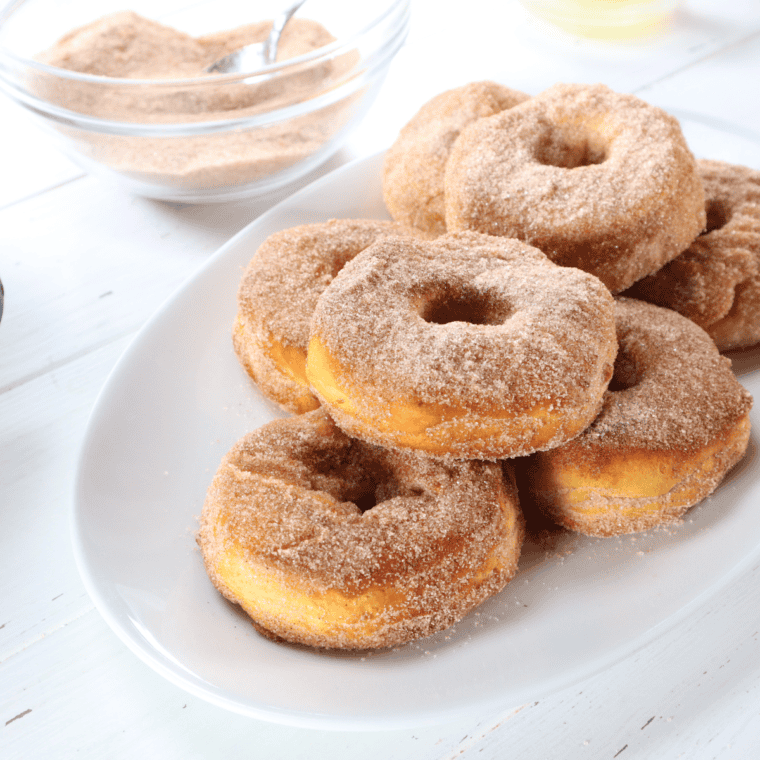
<point>85,265</point>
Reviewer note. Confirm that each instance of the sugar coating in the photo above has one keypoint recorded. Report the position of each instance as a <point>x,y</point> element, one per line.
<point>715,282</point>
<point>673,398</point>
<point>280,288</point>
<point>595,179</point>
<point>287,495</point>
<point>414,168</point>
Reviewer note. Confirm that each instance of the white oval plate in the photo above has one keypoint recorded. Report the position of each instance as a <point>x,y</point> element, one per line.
<point>177,400</point>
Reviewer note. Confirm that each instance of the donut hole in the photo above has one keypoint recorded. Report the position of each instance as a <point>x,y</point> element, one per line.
<point>570,148</point>
<point>625,374</point>
<point>470,306</point>
<point>357,474</point>
<point>367,498</point>
<point>718,215</point>
<point>373,493</point>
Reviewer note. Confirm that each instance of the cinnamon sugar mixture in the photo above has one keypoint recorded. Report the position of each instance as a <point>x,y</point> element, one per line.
<point>128,46</point>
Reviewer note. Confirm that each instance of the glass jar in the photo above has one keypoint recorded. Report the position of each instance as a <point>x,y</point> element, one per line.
<point>605,19</point>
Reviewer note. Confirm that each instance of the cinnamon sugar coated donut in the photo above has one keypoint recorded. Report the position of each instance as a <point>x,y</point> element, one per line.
<point>595,179</point>
<point>277,296</point>
<point>716,281</point>
<point>330,542</point>
<point>674,422</point>
<point>416,162</point>
<point>467,347</point>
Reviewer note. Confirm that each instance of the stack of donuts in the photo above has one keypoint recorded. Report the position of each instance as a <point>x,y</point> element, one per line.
<point>514,332</point>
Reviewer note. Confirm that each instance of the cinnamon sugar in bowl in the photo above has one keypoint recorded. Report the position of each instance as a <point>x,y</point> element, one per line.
<point>125,95</point>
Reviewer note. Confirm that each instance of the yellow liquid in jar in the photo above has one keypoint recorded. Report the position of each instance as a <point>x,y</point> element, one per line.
<point>605,19</point>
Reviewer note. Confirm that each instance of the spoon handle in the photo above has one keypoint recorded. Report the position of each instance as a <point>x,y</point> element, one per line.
<point>270,46</point>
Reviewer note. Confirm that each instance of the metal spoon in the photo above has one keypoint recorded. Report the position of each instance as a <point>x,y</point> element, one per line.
<point>254,57</point>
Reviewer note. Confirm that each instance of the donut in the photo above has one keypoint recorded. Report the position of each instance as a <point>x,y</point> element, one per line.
<point>331,542</point>
<point>466,347</point>
<point>716,281</point>
<point>595,179</point>
<point>277,295</point>
<point>674,422</point>
<point>415,164</point>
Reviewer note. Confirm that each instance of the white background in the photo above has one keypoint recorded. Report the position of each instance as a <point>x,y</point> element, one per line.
<point>85,265</point>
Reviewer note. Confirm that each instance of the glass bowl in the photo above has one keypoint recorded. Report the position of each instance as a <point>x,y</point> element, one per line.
<point>203,138</point>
